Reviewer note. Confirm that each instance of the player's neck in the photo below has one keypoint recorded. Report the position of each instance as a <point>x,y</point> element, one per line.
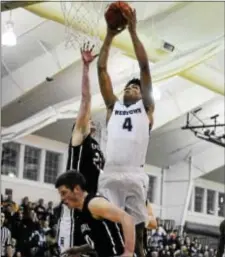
<point>80,207</point>
<point>128,103</point>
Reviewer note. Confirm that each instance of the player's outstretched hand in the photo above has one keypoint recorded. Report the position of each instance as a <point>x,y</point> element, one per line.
<point>130,15</point>
<point>87,53</point>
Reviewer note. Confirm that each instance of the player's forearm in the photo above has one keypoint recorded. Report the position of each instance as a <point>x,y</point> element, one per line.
<point>77,250</point>
<point>128,232</point>
<point>85,105</point>
<point>104,52</point>
<point>84,249</point>
<point>9,251</point>
<point>85,91</point>
<point>139,51</point>
<point>152,223</point>
<point>82,121</point>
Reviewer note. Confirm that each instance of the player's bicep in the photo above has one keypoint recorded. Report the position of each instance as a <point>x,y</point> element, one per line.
<point>106,87</point>
<point>78,136</point>
<point>101,208</point>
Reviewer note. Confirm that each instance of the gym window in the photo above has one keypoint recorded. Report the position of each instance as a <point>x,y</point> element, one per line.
<point>52,162</point>
<point>199,195</point>
<point>151,189</point>
<point>210,202</point>
<point>10,159</point>
<point>221,204</point>
<point>31,163</point>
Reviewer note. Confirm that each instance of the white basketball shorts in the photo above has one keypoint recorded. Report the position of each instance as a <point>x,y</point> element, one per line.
<point>127,188</point>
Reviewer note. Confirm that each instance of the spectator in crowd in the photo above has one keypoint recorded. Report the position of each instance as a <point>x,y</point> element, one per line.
<point>25,205</point>
<point>6,247</point>
<point>40,209</point>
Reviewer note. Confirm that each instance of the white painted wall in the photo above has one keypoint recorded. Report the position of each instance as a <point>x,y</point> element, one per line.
<point>35,189</point>
<point>178,191</point>
<point>157,173</point>
<point>209,184</point>
<point>204,219</point>
<point>175,188</point>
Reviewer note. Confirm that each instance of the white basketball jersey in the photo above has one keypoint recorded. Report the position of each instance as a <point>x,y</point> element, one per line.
<point>128,135</point>
<point>66,228</point>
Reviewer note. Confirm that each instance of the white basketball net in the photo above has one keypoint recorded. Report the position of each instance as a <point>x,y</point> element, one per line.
<point>81,22</point>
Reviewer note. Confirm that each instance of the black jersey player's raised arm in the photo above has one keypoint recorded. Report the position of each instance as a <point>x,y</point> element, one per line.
<point>84,155</point>
<point>84,152</point>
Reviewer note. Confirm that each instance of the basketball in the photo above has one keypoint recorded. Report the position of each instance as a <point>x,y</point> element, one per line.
<point>114,16</point>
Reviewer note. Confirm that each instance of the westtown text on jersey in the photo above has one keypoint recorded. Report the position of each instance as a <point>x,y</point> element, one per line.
<point>138,110</point>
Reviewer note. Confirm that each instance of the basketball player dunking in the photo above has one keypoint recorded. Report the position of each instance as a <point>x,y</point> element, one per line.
<point>84,155</point>
<point>124,181</point>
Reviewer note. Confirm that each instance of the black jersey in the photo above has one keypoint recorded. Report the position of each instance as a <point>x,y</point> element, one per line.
<point>104,236</point>
<point>88,159</point>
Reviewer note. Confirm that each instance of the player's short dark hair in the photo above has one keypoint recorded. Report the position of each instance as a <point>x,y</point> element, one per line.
<point>70,179</point>
<point>135,81</point>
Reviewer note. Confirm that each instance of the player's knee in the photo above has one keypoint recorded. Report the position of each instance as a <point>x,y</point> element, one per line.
<point>140,230</point>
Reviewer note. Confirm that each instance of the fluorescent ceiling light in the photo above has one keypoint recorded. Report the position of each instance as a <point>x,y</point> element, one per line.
<point>9,36</point>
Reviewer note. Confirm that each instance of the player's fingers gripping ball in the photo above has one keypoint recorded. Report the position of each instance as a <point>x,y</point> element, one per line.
<point>114,15</point>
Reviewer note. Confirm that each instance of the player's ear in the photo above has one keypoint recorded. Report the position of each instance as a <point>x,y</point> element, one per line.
<point>77,189</point>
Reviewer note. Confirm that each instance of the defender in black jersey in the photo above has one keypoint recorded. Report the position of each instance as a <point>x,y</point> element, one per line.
<point>107,229</point>
<point>87,158</point>
<point>84,155</point>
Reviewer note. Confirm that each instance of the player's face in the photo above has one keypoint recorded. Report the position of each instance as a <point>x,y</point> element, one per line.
<point>69,197</point>
<point>132,93</point>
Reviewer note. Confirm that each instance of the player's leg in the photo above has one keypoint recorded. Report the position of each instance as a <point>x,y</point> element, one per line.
<point>135,206</point>
<point>111,186</point>
<point>139,246</point>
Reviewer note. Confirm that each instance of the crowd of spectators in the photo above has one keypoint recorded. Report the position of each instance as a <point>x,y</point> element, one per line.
<point>33,233</point>
<point>162,243</point>
<point>32,227</point>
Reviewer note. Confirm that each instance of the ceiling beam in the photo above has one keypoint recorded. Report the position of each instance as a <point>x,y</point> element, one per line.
<point>10,5</point>
<point>48,67</point>
<point>167,110</point>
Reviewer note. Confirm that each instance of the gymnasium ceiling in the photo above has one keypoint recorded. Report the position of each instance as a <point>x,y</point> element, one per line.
<point>41,53</point>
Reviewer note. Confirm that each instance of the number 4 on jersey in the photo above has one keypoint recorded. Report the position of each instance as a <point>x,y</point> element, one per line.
<point>127,124</point>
